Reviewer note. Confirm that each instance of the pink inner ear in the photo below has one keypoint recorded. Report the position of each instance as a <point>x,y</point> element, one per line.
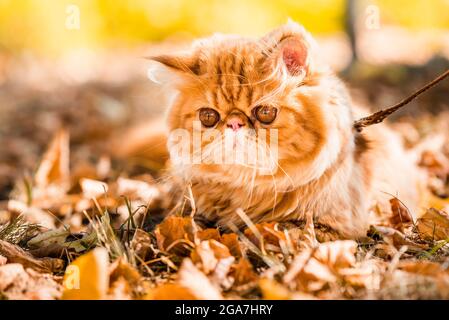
<point>294,54</point>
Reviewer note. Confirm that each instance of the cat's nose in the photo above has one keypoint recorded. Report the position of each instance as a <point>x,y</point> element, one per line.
<point>234,123</point>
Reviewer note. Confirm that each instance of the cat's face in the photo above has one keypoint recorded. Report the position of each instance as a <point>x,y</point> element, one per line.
<point>254,109</point>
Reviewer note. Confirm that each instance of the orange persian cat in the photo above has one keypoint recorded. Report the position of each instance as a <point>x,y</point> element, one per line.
<point>232,91</point>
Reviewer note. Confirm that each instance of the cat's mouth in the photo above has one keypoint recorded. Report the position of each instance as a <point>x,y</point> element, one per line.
<point>244,150</point>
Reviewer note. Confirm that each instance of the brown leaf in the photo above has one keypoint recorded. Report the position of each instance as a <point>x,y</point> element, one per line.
<point>16,283</point>
<point>397,239</point>
<point>87,278</point>
<point>32,214</point>
<point>122,269</point>
<point>266,233</point>
<point>243,272</point>
<point>176,234</point>
<point>191,277</point>
<point>215,260</point>
<point>54,167</point>
<point>272,290</point>
<point>208,234</point>
<point>209,253</point>
<point>124,280</point>
<point>427,268</point>
<point>310,238</point>
<point>231,241</point>
<point>337,254</point>
<point>314,267</point>
<point>192,284</point>
<point>120,289</point>
<point>401,217</point>
<point>170,291</point>
<point>434,225</point>
<point>136,189</point>
<point>15,254</point>
<point>435,162</point>
<point>385,251</point>
<point>93,188</point>
<point>364,275</point>
<point>141,244</point>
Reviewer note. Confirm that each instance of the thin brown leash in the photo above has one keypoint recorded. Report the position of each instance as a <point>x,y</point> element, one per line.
<point>380,116</point>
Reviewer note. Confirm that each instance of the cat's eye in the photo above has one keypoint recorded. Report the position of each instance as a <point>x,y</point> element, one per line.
<point>265,114</point>
<point>209,117</point>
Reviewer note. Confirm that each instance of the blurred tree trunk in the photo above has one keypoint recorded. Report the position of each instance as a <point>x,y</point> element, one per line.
<point>351,29</point>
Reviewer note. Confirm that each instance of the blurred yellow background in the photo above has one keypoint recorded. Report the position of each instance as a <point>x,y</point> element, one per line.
<point>41,25</point>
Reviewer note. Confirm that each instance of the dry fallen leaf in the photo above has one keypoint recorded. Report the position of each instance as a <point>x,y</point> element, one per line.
<point>422,267</point>
<point>264,234</point>
<point>209,234</point>
<point>208,254</point>
<point>15,254</point>
<point>32,214</point>
<point>48,238</point>
<point>120,290</point>
<point>93,188</point>
<point>434,225</point>
<point>401,217</point>
<point>87,278</point>
<point>175,234</point>
<point>243,272</point>
<point>215,260</point>
<point>366,275</point>
<point>16,283</point>
<point>272,290</point>
<point>337,254</point>
<point>315,267</point>
<point>124,280</point>
<point>54,167</point>
<point>170,291</point>
<point>191,277</point>
<point>230,240</point>
<point>192,284</point>
<point>141,244</point>
<point>434,162</point>
<point>434,270</point>
<point>397,239</point>
<point>136,189</point>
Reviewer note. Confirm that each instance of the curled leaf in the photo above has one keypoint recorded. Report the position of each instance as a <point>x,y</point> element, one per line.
<point>314,267</point>
<point>434,225</point>
<point>401,217</point>
<point>175,234</point>
<point>87,278</point>
<point>192,284</point>
<point>243,272</point>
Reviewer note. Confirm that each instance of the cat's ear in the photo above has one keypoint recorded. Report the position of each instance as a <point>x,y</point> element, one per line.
<point>180,63</point>
<point>166,68</point>
<point>289,47</point>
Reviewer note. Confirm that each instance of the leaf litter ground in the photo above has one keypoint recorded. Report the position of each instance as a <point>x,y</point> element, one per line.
<point>81,225</point>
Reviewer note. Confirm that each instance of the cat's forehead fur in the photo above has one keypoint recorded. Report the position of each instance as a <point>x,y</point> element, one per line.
<point>239,72</point>
<point>229,68</point>
<point>234,71</point>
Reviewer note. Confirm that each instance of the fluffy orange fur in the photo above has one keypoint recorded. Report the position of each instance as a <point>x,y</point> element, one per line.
<point>324,168</point>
